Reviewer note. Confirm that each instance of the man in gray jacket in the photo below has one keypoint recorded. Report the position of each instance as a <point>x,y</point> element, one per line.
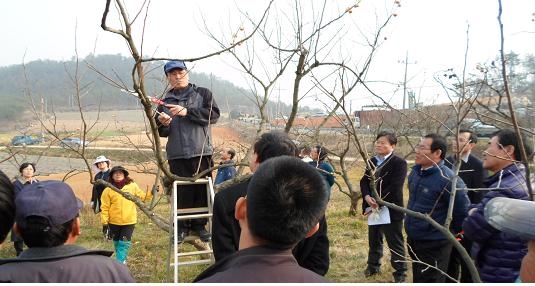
<point>185,120</point>
<point>46,218</point>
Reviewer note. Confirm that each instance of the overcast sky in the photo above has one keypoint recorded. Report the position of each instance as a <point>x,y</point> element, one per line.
<point>432,32</point>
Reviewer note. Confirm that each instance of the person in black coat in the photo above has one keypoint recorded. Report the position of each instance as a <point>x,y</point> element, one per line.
<point>273,218</point>
<point>472,173</point>
<point>389,172</point>
<point>27,172</point>
<point>103,165</point>
<point>311,253</point>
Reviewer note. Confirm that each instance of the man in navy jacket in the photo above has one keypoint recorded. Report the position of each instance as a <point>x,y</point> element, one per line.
<point>430,187</point>
<point>498,254</point>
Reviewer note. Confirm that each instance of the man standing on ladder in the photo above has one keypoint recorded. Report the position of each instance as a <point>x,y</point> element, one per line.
<point>185,120</point>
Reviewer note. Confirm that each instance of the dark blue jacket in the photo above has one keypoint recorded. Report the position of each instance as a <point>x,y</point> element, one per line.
<point>325,166</point>
<point>225,173</point>
<point>497,254</point>
<point>189,136</point>
<point>429,193</point>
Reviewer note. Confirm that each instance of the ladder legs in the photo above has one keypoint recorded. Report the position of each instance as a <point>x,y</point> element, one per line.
<point>183,215</point>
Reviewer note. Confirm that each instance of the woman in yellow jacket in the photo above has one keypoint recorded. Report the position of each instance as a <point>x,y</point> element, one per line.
<point>119,213</point>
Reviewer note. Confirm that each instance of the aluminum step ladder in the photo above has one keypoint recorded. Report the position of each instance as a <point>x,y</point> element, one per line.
<point>191,213</point>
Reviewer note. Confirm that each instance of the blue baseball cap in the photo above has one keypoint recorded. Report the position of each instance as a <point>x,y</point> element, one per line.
<point>53,200</point>
<point>171,65</point>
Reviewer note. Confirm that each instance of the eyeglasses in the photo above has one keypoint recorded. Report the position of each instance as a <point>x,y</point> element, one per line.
<point>421,148</point>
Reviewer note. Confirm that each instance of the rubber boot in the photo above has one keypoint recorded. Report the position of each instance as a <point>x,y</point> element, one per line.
<point>122,250</point>
<point>116,247</point>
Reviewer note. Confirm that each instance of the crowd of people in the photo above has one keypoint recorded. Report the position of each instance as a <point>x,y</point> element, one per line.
<point>272,227</point>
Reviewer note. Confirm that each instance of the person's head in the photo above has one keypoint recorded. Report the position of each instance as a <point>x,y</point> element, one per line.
<point>177,74</point>
<point>27,170</point>
<point>119,174</point>
<point>385,142</point>
<point>318,153</point>
<point>464,142</point>
<point>431,150</point>
<point>47,214</point>
<point>227,154</point>
<point>305,152</point>
<point>269,145</point>
<point>285,201</point>
<point>504,149</point>
<point>102,163</point>
<point>7,206</point>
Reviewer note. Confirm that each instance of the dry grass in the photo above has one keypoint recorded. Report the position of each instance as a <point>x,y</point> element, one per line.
<point>148,256</point>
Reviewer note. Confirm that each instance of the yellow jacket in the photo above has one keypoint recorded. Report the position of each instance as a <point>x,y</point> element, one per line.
<point>116,209</point>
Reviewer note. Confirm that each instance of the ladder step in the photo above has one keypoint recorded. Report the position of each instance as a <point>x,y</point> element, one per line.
<point>184,217</point>
<point>194,262</point>
<point>191,253</point>
<point>198,182</point>
<point>193,210</point>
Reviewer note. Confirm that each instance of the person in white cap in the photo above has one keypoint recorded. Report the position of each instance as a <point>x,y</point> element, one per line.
<point>103,165</point>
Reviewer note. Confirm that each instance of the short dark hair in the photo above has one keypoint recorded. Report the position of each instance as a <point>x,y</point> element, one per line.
<point>25,165</point>
<point>7,206</point>
<point>473,136</point>
<point>232,153</point>
<point>390,136</point>
<point>37,232</point>
<point>322,152</point>
<point>439,143</point>
<point>286,197</point>
<point>274,144</point>
<point>508,137</point>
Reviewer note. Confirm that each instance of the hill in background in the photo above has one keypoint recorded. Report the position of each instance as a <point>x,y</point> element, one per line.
<point>51,86</point>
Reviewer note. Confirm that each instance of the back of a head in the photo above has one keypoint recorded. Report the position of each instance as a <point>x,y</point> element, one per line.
<point>286,197</point>
<point>507,137</point>
<point>7,206</point>
<point>45,212</point>
<point>274,144</point>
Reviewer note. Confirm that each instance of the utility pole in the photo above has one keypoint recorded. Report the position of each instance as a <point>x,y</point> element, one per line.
<point>406,62</point>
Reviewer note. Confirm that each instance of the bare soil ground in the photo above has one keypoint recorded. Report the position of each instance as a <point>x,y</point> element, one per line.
<point>81,181</point>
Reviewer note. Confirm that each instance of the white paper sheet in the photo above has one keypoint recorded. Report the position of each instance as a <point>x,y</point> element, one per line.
<point>379,216</point>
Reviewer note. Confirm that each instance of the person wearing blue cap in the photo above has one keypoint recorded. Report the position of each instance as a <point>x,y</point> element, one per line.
<point>47,219</point>
<point>185,120</point>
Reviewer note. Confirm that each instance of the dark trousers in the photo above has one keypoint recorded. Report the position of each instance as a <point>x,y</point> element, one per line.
<point>431,252</point>
<point>191,196</point>
<point>121,232</point>
<point>394,238</point>
<point>457,267</point>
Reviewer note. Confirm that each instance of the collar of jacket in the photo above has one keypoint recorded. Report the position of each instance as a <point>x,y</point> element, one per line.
<point>510,170</point>
<point>226,162</point>
<point>180,94</point>
<point>428,171</point>
<point>48,253</point>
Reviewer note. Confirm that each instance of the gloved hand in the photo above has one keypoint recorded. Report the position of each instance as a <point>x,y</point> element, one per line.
<point>106,232</point>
